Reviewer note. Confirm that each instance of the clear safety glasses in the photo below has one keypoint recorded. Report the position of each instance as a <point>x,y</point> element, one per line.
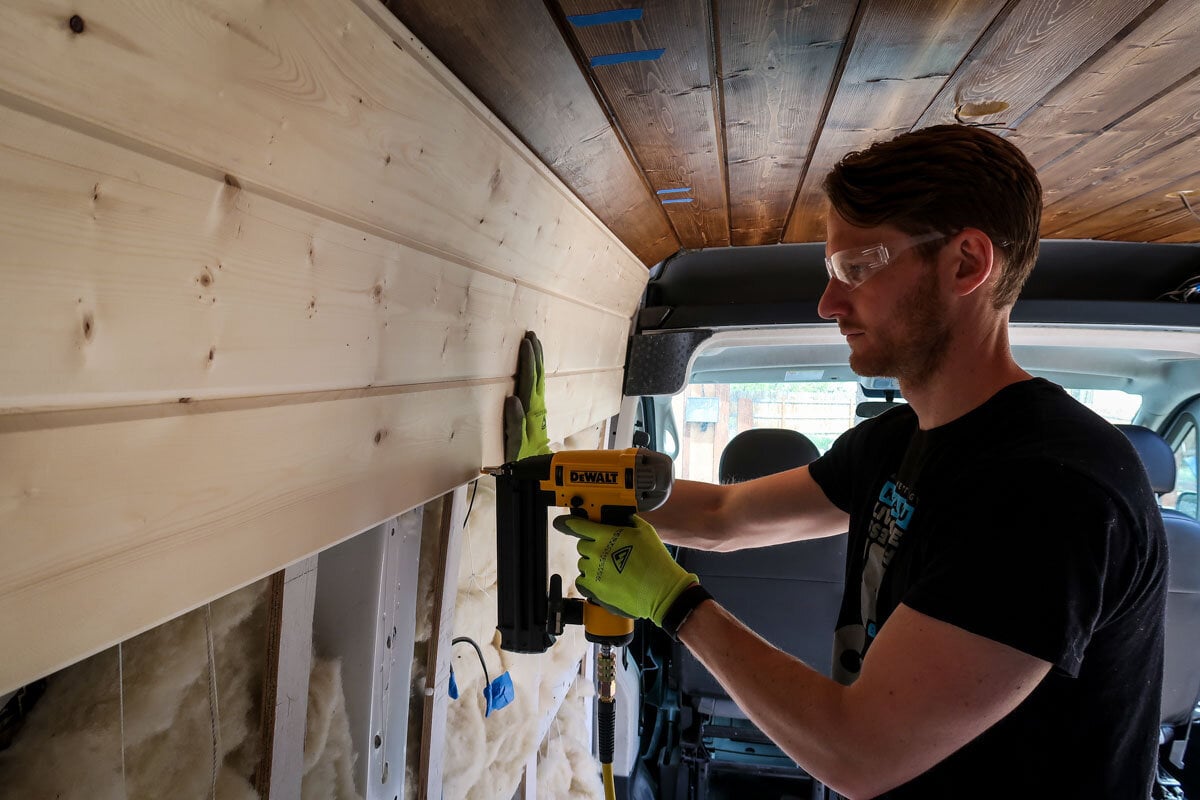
<point>855,265</point>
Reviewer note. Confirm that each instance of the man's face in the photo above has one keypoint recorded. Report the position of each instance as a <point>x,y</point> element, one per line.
<point>895,322</point>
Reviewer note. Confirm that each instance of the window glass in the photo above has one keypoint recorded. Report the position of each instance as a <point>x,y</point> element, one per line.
<point>1186,486</point>
<point>710,414</point>
<point>1116,406</point>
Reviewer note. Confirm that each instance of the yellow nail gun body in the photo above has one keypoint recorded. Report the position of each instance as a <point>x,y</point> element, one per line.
<point>607,486</point>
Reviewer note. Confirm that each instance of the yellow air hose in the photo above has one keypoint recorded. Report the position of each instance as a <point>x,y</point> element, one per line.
<point>609,792</point>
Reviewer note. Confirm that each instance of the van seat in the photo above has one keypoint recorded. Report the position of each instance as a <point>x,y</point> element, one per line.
<point>1181,672</point>
<point>789,594</point>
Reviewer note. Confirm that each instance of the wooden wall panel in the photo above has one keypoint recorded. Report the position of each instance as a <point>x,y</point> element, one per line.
<point>1026,54</point>
<point>113,521</point>
<point>902,53</point>
<point>311,101</point>
<point>666,108</point>
<point>513,57</point>
<point>778,61</point>
<point>316,240</point>
<point>132,281</point>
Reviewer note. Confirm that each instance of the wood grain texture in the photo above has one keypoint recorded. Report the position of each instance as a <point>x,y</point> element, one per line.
<point>1155,55</point>
<point>437,664</point>
<point>1026,54</point>
<point>285,706</point>
<point>132,281</point>
<point>778,59</point>
<point>534,85</point>
<point>1147,152</point>
<point>313,103</point>
<point>903,52</point>
<point>138,515</point>
<point>665,108</point>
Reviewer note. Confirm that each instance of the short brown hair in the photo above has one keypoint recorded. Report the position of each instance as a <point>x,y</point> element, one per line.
<point>943,179</point>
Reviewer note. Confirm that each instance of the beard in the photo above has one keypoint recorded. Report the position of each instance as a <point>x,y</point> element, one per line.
<point>914,345</point>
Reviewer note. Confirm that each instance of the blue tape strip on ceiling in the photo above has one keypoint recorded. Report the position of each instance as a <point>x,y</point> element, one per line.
<point>679,200</point>
<point>605,17</point>
<point>621,58</point>
<point>674,191</point>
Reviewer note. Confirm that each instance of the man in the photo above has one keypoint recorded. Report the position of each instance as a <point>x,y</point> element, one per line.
<point>1001,630</point>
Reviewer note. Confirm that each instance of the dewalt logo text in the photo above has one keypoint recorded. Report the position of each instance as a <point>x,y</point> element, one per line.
<point>592,476</point>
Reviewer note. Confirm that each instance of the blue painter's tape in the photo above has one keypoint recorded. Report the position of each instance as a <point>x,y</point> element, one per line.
<point>621,58</point>
<point>678,200</point>
<point>498,695</point>
<point>453,686</point>
<point>674,191</point>
<point>605,17</point>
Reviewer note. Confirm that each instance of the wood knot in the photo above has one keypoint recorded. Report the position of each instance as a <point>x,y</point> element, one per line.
<point>212,353</point>
<point>76,24</point>
<point>232,181</point>
<point>89,326</point>
<point>377,293</point>
<point>206,278</point>
<point>185,400</point>
<point>380,435</point>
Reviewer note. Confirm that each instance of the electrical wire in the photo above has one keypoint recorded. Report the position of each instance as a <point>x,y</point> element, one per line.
<point>1184,292</point>
<point>461,639</point>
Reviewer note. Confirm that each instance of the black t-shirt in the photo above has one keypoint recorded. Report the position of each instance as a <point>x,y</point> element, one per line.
<point>1029,521</point>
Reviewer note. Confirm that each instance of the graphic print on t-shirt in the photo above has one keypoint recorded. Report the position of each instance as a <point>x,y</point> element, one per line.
<point>890,518</point>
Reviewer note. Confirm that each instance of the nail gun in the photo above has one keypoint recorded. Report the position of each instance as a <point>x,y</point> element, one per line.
<point>607,486</point>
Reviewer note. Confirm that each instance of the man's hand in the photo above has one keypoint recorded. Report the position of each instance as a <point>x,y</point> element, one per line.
<point>626,569</point>
<point>525,413</point>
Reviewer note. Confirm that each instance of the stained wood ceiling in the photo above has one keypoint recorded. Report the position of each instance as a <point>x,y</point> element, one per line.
<point>724,136</point>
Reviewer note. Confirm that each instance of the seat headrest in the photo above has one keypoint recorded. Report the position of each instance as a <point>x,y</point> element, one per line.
<point>765,451</point>
<point>1156,456</point>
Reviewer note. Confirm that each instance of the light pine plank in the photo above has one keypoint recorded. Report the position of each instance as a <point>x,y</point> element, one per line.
<point>902,54</point>
<point>539,91</point>
<point>133,281</point>
<point>114,521</point>
<point>313,103</point>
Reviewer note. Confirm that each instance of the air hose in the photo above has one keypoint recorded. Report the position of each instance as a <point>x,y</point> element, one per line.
<point>606,714</point>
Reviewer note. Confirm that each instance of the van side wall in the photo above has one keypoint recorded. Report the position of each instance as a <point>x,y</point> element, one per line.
<point>265,269</point>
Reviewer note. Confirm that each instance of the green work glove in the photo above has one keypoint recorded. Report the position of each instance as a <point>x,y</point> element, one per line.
<point>525,413</point>
<point>627,568</point>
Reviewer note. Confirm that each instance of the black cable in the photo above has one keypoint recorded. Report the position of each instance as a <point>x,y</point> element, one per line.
<point>470,505</point>
<point>482,663</point>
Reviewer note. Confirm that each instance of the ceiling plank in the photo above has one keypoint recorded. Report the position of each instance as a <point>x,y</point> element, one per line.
<point>665,107</point>
<point>1157,54</point>
<point>778,59</point>
<point>1159,218</point>
<point>903,52</point>
<point>1034,48</point>
<point>1155,147</point>
<point>513,58</point>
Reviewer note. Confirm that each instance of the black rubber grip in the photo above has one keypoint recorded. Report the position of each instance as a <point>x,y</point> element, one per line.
<point>606,718</point>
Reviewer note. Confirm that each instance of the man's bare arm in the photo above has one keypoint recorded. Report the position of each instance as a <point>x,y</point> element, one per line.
<point>783,507</point>
<point>926,689</point>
